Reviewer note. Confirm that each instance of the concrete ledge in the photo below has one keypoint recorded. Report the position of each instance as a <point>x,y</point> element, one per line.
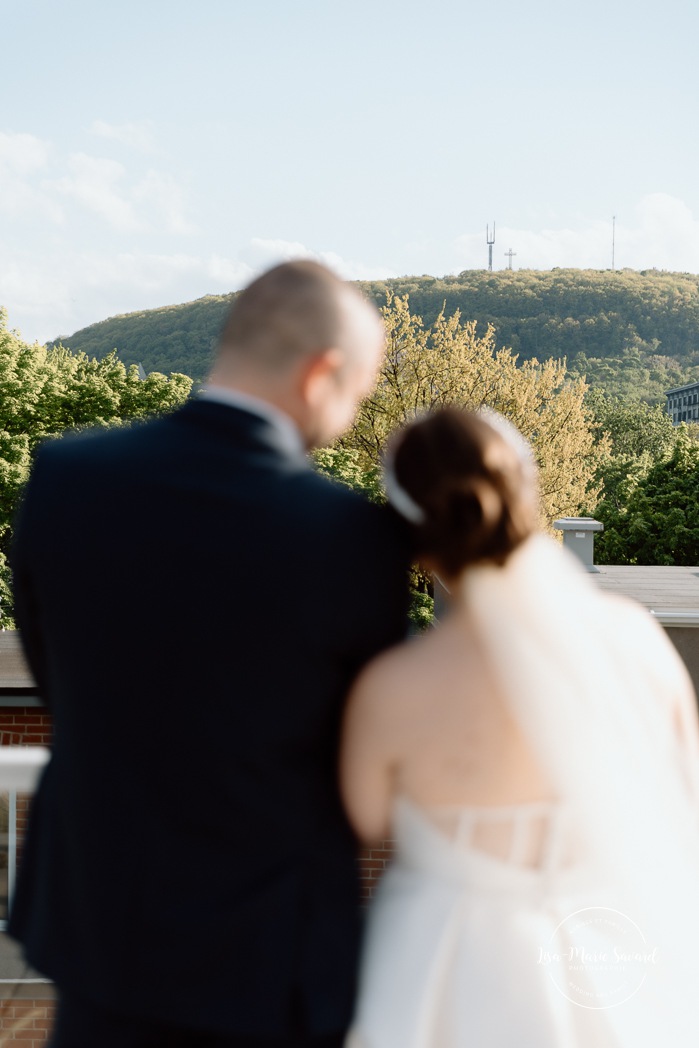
<point>17,979</point>
<point>27,989</point>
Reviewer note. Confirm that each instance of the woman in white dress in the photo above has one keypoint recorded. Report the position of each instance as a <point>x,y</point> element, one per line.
<point>535,759</point>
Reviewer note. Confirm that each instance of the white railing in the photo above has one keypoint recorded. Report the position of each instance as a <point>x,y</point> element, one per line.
<point>20,767</point>
<point>686,617</point>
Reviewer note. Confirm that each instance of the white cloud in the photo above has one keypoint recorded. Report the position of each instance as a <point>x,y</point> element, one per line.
<point>263,253</point>
<point>161,196</point>
<point>31,292</point>
<point>228,273</point>
<point>59,288</point>
<point>153,203</point>
<point>22,153</point>
<point>582,249</point>
<point>351,270</point>
<point>38,183</point>
<point>95,183</point>
<point>46,298</point>
<point>137,134</point>
<point>23,159</point>
<point>662,233</point>
<point>667,236</point>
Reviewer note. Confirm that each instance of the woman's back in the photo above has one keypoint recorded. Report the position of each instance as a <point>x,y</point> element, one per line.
<point>535,758</point>
<point>498,894</point>
<point>454,739</point>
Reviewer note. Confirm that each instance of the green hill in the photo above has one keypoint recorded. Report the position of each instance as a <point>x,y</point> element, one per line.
<point>171,338</point>
<point>632,333</point>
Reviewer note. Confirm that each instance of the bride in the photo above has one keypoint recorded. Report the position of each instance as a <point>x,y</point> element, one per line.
<point>535,759</point>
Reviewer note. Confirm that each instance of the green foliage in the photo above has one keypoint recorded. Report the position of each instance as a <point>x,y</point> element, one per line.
<point>655,518</point>
<point>447,362</point>
<point>343,465</point>
<point>7,621</point>
<point>638,373</point>
<point>634,427</point>
<point>421,611</point>
<point>567,311</point>
<point>633,334</point>
<point>44,392</point>
<point>640,437</point>
<point>178,338</point>
<point>15,461</point>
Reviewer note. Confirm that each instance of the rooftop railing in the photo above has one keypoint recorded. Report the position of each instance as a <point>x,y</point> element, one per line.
<point>20,767</point>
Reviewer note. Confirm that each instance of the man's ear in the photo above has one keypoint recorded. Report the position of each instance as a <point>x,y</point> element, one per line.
<point>319,374</point>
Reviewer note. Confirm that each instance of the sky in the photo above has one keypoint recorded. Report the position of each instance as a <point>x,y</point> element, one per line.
<point>156,151</point>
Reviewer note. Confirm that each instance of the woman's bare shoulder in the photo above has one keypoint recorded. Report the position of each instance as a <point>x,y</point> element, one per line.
<point>397,673</point>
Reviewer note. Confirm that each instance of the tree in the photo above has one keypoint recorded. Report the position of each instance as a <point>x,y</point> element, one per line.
<point>641,437</point>
<point>635,334</point>
<point>634,427</point>
<point>6,616</point>
<point>344,465</point>
<point>44,392</point>
<point>449,363</point>
<point>659,521</point>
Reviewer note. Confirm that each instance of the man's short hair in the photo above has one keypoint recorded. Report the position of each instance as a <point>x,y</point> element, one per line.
<point>292,310</point>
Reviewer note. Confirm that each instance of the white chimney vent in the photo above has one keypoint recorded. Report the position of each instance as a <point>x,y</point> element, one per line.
<point>579,537</point>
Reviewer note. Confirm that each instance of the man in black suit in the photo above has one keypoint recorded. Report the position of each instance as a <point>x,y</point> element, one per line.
<point>194,602</point>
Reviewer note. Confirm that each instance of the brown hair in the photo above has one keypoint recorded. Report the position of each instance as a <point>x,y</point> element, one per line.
<point>476,491</point>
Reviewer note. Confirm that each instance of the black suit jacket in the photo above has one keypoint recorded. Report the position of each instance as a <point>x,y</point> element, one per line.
<point>194,604</point>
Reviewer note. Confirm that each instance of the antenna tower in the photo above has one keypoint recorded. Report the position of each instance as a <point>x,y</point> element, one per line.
<point>490,241</point>
<point>613,237</point>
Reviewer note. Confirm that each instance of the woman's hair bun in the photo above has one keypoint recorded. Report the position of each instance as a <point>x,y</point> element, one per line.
<point>474,503</point>
<point>476,495</point>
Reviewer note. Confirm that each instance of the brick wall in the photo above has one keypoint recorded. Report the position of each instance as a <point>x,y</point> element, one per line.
<point>372,863</point>
<point>24,726</point>
<point>25,1023</point>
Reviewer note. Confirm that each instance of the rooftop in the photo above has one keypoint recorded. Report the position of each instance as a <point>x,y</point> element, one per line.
<point>14,672</point>
<point>661,588</point>
<point>682,389</point>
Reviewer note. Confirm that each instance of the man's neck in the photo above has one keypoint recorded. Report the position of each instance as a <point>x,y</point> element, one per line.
<point>257,405</point>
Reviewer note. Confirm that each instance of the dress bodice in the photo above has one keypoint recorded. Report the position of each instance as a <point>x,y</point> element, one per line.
<point>530,835</point>
<point>526,846</point>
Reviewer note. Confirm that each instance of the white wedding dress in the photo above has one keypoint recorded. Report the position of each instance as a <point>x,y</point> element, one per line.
<point>567,924</point>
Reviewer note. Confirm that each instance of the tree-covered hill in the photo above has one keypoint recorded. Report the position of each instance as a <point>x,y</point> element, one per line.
<point>172,338</point>
<point>633,333</point>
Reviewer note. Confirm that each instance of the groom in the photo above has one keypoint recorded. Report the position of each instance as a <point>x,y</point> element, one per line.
<point>194,602</point>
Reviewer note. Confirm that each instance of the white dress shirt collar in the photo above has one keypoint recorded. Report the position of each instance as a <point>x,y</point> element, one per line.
<point>285,426</point>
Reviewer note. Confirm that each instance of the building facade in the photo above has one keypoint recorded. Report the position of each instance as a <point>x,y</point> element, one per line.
<point>683,403</point>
